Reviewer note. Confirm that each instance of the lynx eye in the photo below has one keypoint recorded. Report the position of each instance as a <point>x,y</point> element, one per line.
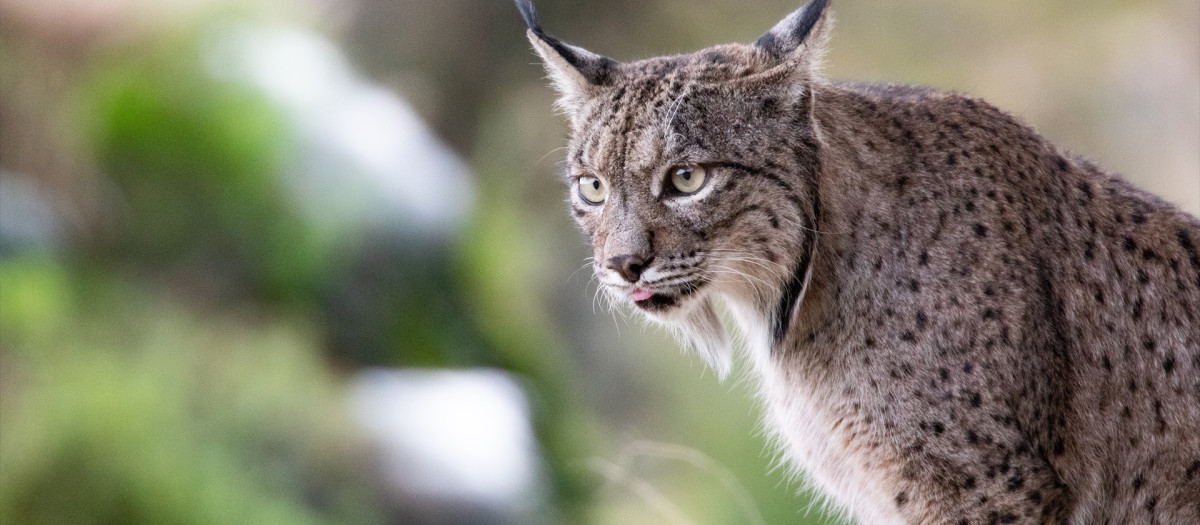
<point>689,178</point>
<point>592,190</point>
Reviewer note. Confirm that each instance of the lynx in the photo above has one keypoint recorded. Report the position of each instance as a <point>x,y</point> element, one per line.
<point>951,319</point>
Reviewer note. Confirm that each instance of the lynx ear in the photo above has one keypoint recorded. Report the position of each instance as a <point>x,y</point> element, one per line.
<point>576,72</point>
<point>801,38</point>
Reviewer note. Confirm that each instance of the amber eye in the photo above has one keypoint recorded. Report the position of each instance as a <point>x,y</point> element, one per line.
<point>688,179</point>
<point>592,190</point>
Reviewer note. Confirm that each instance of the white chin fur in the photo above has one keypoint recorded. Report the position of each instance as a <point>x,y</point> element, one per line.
<point>695,323</point>
<point>702,330</point>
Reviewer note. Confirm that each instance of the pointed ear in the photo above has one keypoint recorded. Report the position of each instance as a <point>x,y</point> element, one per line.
<point>801,38</point>
<point>576,73</point>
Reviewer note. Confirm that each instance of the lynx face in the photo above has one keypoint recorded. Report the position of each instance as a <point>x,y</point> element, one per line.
<point>672,176</point>
<point>696,174</point>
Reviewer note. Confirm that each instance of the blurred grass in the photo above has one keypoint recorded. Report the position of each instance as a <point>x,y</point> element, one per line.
<point>119,407</point>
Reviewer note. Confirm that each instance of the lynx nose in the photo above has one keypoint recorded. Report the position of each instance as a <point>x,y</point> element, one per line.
<point>629,266</point>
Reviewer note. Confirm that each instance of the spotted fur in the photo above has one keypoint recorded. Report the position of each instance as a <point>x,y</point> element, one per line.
<point>952,320</point>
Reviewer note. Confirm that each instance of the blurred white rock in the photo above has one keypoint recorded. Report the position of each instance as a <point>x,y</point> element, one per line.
<point>363,155</point>
<point>460,437</point>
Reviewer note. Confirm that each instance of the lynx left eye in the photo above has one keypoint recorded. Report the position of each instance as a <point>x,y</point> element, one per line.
<point>592,190</point>
<point>688,179</point>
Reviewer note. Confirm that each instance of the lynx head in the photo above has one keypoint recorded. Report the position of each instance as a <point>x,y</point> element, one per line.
<point>694,175</point>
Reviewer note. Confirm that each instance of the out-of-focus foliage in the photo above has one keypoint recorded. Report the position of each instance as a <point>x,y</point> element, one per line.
<point>197,162</point>
<point>119,407</point>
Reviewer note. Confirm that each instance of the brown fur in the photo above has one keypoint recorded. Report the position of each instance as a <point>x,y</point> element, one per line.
<point>953,321</point>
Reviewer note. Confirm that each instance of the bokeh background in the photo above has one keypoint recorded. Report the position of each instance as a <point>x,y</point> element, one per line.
<point>307,261</point>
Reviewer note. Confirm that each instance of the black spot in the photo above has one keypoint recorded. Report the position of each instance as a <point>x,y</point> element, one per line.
<point>914,285</point>
<point>1086,189</point>
<point>996,517</point>
<point>770,106</point>
<point>972,438</point>
<point>967,368</point>
<point>870,342</point>
<point>1138,482</point>
<point>1129,244</point>
<point>1059,446</point>
<point>1185,241</point>
<point>1014,483</point>
<point>1168,364</point>
<point>951,159</point>
<point>989,313</point>
<point>1192,470</point>
<point>908,337</point>
<point>922,321</point>
<point>968,482</point>
<point>980,230</point>
<point>975,399</point>
<point>901,499</point>
<point>937,427</point>
<point>924,259</point>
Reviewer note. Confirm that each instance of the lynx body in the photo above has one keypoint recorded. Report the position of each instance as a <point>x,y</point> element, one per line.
<point>951,320</point>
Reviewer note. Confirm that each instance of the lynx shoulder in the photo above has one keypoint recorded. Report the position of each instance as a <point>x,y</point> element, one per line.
<point>951,320</point>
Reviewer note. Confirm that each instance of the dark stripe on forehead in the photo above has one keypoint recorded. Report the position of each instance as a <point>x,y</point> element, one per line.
<point>757,172</point>
<point>625,106</point>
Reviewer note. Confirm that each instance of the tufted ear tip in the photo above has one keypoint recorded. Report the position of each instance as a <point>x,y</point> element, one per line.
<point>530,15</point>
<point>575,72</point>
<point>795,30</point>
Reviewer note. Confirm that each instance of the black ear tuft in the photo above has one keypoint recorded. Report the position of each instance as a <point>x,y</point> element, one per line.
<point>792,31</point>
<point>559,56</point>
<point>530,16</point>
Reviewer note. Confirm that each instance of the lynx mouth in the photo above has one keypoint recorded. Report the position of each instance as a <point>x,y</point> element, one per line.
<point>657,302</point>
<point>663,301</point>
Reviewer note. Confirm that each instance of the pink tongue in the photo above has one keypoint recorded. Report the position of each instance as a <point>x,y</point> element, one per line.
<point>640,294</point>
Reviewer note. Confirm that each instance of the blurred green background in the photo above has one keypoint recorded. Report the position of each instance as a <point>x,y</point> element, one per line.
<point>307,261</point>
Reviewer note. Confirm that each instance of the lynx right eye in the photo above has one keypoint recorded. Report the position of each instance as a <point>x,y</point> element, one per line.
<point>688,179</point>
<point>592,190</point>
